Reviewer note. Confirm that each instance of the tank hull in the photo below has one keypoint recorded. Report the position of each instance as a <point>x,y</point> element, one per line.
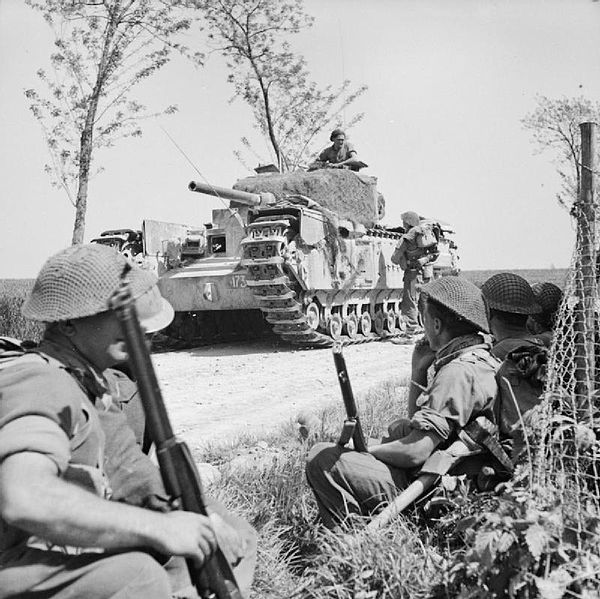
<point>301,254</point>
<point>208,284</point>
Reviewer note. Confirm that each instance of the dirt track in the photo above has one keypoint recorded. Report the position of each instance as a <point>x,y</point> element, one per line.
<point>216,393</point>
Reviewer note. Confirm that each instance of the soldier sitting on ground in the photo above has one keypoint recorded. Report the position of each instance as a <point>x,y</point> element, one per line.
<point>548,296</point>
<point>346,482</point>
<point>62,448</point>
<point>511,302</point>
<point>341,154</point>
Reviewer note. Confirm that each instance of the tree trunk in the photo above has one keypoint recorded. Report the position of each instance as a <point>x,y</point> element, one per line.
<point>85,153</point>
<point>87,135</point>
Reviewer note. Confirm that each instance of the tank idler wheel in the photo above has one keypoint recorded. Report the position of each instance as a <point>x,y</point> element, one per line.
<point>364,324</point>
<point>390,321</point>
<point>379,323</point>
<point>312,315</point>
<point>334,326</point>
<point>351,326</point>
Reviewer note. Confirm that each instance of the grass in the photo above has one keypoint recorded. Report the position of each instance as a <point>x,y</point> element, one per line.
<point>459,551</point>
<point>298,557</point>
<point>12,324</point>
<point>557,276</point>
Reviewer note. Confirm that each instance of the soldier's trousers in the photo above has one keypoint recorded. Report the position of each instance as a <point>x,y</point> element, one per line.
<point>42,574</point>
<point>27,572</point>
<point>412,280</point>
<point>346,482</point>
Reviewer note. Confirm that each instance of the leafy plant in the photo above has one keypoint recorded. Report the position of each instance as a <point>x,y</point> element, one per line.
<point>521,550</point>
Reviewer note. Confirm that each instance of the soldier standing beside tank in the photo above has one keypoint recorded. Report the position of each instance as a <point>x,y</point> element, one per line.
<point>413,254</point>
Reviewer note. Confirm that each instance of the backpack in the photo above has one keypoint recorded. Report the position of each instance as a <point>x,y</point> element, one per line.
<point>427,236</point>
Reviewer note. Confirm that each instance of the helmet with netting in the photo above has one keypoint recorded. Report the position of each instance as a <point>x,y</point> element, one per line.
<point>508,292</point>
<point>461,297</point>
<point>81,280</point>
<point>548,296</point>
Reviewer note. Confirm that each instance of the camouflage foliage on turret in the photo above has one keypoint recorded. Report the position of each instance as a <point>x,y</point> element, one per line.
<point>349,195</point>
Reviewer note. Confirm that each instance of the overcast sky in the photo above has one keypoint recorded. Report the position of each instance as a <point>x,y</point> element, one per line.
<point>449,81</point>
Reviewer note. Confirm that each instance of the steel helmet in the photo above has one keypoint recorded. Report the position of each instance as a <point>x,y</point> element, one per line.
<point>509,292</point>
<point>461,297</point>
<point>81,280</point>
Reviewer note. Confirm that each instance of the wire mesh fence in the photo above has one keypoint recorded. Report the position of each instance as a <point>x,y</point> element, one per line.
<point>567,464</point>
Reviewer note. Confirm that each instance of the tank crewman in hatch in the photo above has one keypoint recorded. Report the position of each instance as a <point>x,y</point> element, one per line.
<point>346,482</point>
<point>341,154</point>
<point>511,302</point>
<point>415,250</point>
<point>60,534</point>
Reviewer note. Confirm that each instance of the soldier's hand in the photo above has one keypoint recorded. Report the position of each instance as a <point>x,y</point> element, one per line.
<point>233,545</point>
<point>188,534</point>
<point>422,357</point>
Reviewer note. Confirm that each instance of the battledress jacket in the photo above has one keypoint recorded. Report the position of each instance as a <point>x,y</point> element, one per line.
<point>461,386</point>
<point>52,402</point>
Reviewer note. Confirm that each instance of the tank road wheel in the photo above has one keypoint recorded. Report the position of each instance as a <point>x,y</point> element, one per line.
<point>351,326</point>
<point>379,323</point>
<point>400,323</point>
<point>364,324</point>
<point>390,321</point>
<point>313,317</point>
<point>334,326</point>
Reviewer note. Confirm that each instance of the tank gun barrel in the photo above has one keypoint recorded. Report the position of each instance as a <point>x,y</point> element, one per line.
<point>243,197</point>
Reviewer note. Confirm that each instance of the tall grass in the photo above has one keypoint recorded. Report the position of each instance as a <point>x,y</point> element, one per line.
<point>460,545</point>
<point>12,324</point>
<point>298,557</point>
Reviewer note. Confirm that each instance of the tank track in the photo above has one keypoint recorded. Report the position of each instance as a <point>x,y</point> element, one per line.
<point>266,255</point>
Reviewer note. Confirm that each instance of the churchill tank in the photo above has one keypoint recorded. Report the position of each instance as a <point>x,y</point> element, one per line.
<point>302,253</point>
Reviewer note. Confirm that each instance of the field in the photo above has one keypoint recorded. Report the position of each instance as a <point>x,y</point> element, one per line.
<point>551,275</point>
<point>14,291</point>
<point>12,294</point>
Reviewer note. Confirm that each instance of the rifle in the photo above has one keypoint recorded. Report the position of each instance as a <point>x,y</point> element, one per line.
<point>215,579</point>
<point>352,427</point>
<point>477,437</point>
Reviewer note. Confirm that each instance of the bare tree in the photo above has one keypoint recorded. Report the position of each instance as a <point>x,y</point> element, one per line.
<point>103,48</point>
<point>289,108</point>
<point>554,125</point>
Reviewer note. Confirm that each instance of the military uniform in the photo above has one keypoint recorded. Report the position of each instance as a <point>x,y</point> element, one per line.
<point>333,156</point>
<point>49,407</point>
<point>54,402</point>
<point>411,258</point>
<point>502,348</point>
<point>462,387</point>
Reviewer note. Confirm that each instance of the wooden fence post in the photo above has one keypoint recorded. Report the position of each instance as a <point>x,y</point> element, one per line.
<point>586,287</point>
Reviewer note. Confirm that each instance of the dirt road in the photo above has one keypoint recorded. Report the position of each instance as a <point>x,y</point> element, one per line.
<point>216,393</point>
